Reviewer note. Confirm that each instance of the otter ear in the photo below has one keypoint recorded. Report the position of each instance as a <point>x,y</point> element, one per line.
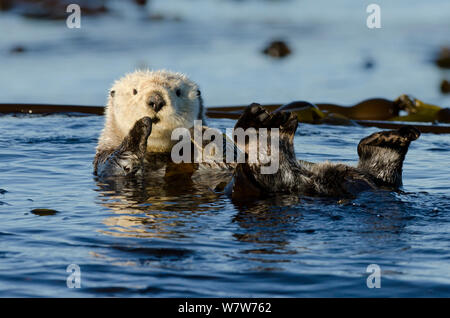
<point>112,93</point>
<point>134,91</point>
<point>409,132</point>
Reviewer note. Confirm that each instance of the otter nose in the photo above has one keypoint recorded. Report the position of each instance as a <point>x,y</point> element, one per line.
<point>156,101</point>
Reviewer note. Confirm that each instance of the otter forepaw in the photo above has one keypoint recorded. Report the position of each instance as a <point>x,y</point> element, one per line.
<point>128,158</point>
<point>136,140</point>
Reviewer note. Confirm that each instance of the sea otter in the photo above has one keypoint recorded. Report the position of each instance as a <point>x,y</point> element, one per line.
<point>142,111</point>
<point>381,157</point>
<point>145,107</point>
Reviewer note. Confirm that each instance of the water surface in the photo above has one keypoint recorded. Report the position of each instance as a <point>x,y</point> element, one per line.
<point>165,239</point>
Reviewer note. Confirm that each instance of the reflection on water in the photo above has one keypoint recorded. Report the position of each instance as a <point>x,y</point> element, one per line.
<point>268,226</point>
<point>173,208</point>
<point>170,208</point>
<point>158,206</point>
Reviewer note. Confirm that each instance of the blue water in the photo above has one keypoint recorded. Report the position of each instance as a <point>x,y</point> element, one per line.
<point>160,240</point>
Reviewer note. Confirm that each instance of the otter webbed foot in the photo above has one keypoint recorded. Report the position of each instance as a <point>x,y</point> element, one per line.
<point>382,154</point>
<point>249,180</point>
<point>128,157</point>
<point>255,116</point>
<point>393,139</point>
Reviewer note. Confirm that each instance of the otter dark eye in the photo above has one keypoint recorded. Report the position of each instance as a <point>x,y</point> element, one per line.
<point>199,93</point>
<point>178,92</point>
<point>112,93</point>
<point>134,91</point>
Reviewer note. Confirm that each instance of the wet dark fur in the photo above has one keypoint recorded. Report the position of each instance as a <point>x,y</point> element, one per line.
<point>381,159</point>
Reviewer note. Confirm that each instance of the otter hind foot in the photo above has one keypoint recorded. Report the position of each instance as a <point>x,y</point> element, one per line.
<point>411,133</point>
<point>248,178</point>
<point>255,116</point>
<point>252,116</point>
<point>128,157</point>
<point>382,154</point>
<point>394,139</point>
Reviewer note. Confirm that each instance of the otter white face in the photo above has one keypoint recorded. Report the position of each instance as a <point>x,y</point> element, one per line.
<point>170,99</point>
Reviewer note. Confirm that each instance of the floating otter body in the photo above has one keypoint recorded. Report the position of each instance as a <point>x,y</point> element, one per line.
<point>145,107</point>
<point>380,164</point>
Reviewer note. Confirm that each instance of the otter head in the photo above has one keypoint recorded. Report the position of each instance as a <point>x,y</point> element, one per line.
<point>170,99</point>
<point>382,154</point>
